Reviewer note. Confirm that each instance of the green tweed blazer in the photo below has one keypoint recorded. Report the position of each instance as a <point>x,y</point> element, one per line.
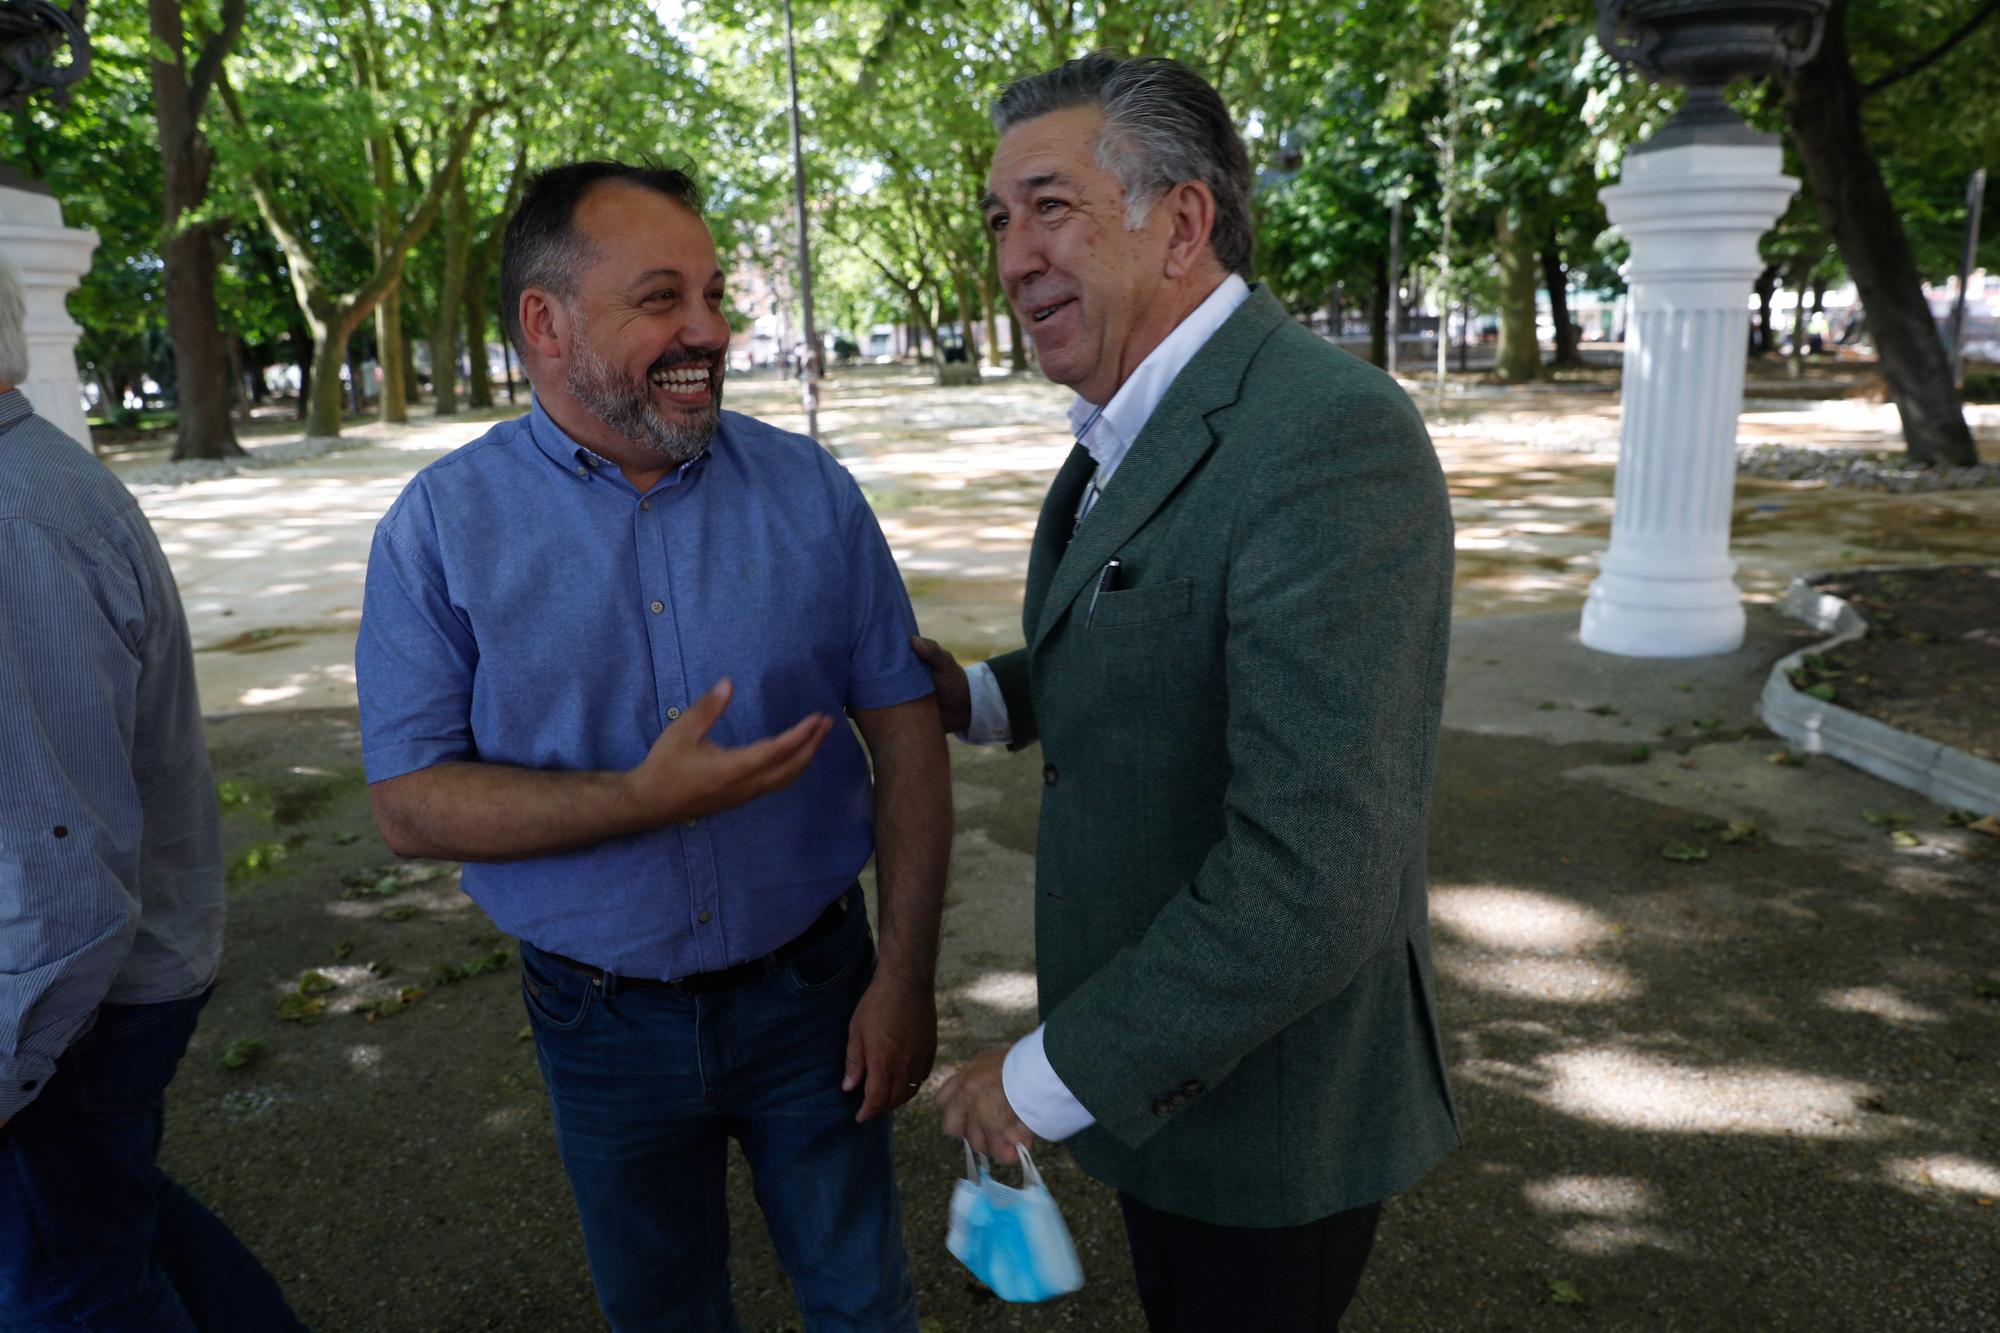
<point>1230,910</point>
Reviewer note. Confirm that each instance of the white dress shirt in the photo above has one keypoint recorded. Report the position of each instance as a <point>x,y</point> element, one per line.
<point>1040,1098</point>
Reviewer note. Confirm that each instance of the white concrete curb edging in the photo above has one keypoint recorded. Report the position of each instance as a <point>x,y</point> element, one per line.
<point>1946,774</point>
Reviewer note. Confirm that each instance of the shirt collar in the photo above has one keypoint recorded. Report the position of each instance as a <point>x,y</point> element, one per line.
<point>581,460</point>
<point>1109,438</point>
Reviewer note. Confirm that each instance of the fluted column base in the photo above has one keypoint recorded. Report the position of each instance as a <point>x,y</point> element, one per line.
<point>1694,214</point>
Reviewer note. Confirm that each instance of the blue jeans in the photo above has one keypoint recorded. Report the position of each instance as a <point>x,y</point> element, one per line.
<point>648,1086</point>
<point>93,1235</point>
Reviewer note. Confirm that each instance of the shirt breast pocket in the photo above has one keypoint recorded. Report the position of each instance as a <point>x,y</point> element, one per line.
<point>1147,604</point>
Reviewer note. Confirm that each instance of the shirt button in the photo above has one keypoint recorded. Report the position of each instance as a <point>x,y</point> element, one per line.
<point>580,470</point>
<point>1048,775</point>
<point>703,918</point>
<point>659,607</point>
<point>645,504</point>
<point>692,822</point>
<point>673,713</point>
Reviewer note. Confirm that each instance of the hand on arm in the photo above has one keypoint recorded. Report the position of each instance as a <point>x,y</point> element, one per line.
<point>468,811</point>
<point>892,1040</point>
<point>954,696</point>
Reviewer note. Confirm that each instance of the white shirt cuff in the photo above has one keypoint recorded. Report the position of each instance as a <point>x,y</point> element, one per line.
<point>989,709</point>
<point>1038,1095</point>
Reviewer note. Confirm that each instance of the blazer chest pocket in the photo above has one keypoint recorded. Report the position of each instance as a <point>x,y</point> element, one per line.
<point>1142,605</point>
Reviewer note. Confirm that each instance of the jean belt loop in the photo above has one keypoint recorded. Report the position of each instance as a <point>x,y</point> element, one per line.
<point>607,985</point>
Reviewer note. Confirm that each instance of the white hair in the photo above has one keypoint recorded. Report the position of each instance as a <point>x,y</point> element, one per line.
<point>13,327</point>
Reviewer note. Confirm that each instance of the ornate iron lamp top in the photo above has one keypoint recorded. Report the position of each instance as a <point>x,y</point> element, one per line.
<point>1705,45</point>
<point>33,33</point>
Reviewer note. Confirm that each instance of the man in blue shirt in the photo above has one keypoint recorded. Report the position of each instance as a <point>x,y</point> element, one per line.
<point>604,657</point>
<point>111,902</point>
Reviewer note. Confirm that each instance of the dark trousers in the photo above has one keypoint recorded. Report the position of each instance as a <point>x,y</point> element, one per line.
<point>648,1086</point>
<point>93,1235</point>
<point>1197,1277</point>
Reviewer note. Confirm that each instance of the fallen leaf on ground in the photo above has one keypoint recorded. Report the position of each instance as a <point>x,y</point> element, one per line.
<point>1680,851</point>
<point>1740,831</point>
<point>299,1007</point>
<point>1564,1292</point>
<point>1787,759</point>
<point>242,1052</point>
<point>316,983</point>
<point>1989,826</point>
<point>1904,838</point>
<point>1822,692</point>
<point>400,912</point>
<point>342,950</point>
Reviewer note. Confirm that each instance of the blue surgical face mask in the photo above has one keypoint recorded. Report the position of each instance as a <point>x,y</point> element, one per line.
<point>1013,1240</point>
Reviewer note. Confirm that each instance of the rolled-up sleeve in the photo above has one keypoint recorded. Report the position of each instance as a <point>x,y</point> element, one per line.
<point>70,818</point>
<point>415,656</point>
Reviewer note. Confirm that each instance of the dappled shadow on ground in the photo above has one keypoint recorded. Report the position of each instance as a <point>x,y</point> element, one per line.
<point>1756,1091</point>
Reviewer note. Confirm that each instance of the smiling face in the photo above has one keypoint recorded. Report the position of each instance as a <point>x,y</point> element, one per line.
<point>645,340</point>
<point>1095,297</point>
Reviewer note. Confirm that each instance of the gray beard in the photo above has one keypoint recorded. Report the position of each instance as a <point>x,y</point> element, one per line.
<point>625,405</point>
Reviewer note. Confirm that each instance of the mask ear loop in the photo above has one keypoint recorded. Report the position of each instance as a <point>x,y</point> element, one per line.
<point>1030,1177</point>
<point>974,1172</point>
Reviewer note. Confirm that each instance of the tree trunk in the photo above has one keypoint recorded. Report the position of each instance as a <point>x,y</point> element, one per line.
<point>1017,343</point>
<point>189,251</point>
<point>1764,336</point>
<point>1569,351</point>
<point>1823,103</point>
<point>303,350</point>
<point>1518,358</point>
<point>239,390</point>
<point>389,346</point>
<point>479,388</point>
<point>323,393</point>
<point>457,246</point>
<point>1378,313</point>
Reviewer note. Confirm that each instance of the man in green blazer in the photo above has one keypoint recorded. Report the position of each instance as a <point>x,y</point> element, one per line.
<point>1237,610</point>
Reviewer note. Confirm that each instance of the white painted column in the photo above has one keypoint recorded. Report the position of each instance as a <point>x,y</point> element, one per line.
<point>1693,213</point>
<point>51,260</point>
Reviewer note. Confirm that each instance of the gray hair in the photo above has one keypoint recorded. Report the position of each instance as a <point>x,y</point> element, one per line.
<point>13,327</point>
<point>1163,124</point>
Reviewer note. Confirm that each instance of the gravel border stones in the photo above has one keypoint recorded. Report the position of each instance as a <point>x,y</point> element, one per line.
<point>1944,773</point>
<point>161,476</point>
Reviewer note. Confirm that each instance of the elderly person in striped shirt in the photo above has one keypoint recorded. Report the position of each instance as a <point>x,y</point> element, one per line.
<point>110,902</point>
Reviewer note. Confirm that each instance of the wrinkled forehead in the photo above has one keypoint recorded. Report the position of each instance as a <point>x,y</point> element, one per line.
<point>1059,148</point>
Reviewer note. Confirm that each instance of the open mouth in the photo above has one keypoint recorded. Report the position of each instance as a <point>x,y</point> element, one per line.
<point>687,382</point>
<point>1039,313</point>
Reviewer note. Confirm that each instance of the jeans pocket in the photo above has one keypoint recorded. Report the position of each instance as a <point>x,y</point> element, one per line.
<point>129,1056</point>
<point>825,964</point>
<point>557,998</point>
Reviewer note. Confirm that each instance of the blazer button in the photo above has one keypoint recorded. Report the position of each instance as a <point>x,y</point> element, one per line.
<point>1048,775</point>
<point>1192,1087</point>
<point>1160,1106</point>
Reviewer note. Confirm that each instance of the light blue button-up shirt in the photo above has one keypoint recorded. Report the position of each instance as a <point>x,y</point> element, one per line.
<point>110,859</point>
<point>526,605</point>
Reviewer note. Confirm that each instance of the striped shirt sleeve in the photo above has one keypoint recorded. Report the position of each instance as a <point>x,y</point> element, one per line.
<point>70,816</point>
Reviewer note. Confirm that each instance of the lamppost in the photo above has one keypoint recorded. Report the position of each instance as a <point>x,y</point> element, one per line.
<point>1693,201</point>
<point>809,371</point>
<point>49,257</point>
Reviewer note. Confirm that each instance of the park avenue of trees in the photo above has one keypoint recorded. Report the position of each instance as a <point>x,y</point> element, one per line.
<point>321,182</point>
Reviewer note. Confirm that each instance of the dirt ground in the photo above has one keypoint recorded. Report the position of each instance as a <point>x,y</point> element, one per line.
<point>1930,662</point>
<point>1754,1093</point>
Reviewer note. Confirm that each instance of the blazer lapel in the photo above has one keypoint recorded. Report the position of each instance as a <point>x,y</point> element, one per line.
<point>1175,438</point>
